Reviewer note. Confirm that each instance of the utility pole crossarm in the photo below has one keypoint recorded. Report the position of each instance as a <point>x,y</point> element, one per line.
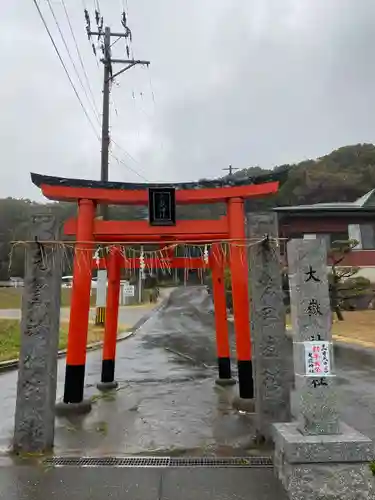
<point>230,169</point>
<point>130,65</point>
<point>129,61</point>
<point>99,33</point>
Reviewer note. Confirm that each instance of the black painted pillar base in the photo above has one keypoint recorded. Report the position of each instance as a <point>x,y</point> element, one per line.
<point>107,381</point>
<point>225,373</point>
<point>73,402</point>
<point>245,379</point>
<point>245,401</point>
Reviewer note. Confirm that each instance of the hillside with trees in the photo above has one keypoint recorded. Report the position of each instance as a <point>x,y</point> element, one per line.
<point>343,175</point>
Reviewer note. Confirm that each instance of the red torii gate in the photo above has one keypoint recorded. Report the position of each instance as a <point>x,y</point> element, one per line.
<point>90,230</point>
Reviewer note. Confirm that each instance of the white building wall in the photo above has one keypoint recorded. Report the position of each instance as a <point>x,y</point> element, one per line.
<point>309,236</point>
<point>354,232</point>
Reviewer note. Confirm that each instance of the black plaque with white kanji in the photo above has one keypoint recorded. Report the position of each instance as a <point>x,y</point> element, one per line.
<point>162,206</point>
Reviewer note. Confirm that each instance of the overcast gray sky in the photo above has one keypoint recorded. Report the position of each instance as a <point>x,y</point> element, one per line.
<point>246,82</point>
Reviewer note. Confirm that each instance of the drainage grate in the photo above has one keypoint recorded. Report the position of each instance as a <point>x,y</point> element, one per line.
<point>158,462</point>
<point>108,461</point>
<point>222,462</point>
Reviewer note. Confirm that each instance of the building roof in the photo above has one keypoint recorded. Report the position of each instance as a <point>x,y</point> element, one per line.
<point>365,203</point>
<point>367,199</point>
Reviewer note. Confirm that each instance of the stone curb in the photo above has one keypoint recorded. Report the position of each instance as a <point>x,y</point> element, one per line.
<point>12,364</point>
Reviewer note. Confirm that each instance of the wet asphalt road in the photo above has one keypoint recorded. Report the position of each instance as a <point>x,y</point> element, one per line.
<point>166,404</point>
<point>355,379</point>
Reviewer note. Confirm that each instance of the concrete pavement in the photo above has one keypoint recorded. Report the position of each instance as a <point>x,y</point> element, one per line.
<point>71,483</point>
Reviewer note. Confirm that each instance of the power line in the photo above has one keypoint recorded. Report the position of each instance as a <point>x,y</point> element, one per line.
<point>131,157</point>
<point>108,79</point>
<point>79,56</point>
<point>126,152</point>
<point>97,5</point>
<point>114,105</point>
<point>88,28</point>
<point>128,39</point>
<point>151,86</point>
<point>128,167</point>
<point>65,68</point>
<point>79,99</point>
<point>71,58</point>
<point>156,108</point>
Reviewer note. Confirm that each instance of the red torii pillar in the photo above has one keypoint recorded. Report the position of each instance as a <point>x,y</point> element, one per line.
<point>240,294</point>
<point>217,263</point>
<point>111,322</point>
<point>79,313</point>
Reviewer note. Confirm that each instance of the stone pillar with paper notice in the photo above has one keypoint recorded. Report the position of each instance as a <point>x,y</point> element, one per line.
<point>312,347</point>
<point>317,456</point>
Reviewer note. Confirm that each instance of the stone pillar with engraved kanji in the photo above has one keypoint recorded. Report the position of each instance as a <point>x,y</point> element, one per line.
<point>318,456</point>
<point>40,323</point>
<point>312,341</point>
<point>272,367</point>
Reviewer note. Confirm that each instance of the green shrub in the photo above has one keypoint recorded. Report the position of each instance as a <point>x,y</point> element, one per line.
<point>352,293</point>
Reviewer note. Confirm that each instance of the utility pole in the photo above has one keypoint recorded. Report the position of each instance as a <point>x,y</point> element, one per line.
<point>108,78</point>
<point>230,169</point>
<point>108,63</point>
<point>105,118</point>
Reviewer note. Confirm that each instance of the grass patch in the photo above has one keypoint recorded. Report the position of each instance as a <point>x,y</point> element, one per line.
<point>10,337</point>
<point>11,298</point>
<point>357,325</point>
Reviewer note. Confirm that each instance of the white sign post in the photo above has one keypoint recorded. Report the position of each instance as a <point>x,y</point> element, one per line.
<point>101,288</point>
<point>128,291</point>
